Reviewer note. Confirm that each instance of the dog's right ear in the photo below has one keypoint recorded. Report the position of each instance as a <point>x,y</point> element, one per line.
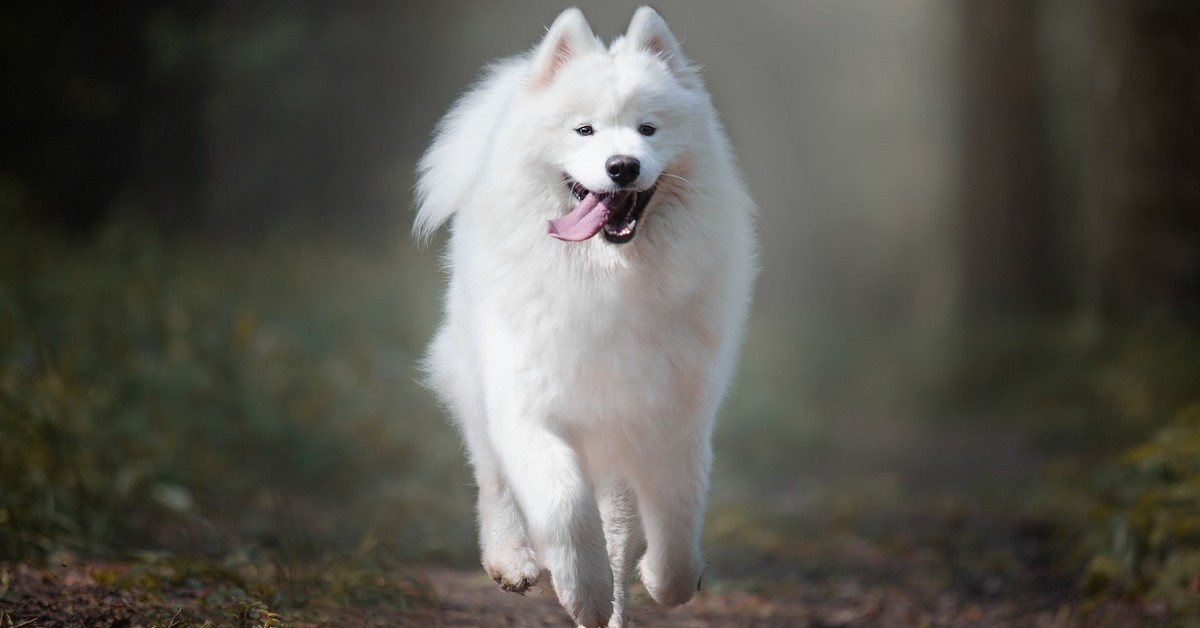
<point>568,36</point>
<point>649,32</point>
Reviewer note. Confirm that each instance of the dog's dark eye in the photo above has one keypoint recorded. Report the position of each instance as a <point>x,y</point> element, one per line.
<point>647,129</point>
<point>585,130</point>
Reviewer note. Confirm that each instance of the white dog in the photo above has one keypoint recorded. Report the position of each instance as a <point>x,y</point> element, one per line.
<point>601,260</point>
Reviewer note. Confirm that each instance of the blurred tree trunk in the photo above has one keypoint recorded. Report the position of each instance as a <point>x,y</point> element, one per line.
<point>1141,197</point>
<point>1007,233</point>
<point>73,77</point>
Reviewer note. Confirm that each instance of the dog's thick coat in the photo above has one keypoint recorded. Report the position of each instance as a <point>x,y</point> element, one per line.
<point>600,262</point>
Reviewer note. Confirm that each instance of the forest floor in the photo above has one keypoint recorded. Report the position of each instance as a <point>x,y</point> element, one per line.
<point>944,560</point>
<point>884,592</point>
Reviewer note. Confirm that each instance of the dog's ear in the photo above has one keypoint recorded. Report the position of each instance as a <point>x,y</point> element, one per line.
<point>649,32</point>
<point>568,36</point>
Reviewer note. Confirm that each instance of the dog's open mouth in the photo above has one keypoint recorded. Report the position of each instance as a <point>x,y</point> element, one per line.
<point>614,213</point>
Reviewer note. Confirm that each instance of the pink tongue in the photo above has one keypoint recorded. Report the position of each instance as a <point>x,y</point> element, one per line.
<point>583,222</point>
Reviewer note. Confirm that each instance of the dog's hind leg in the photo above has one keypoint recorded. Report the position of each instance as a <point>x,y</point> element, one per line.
<point>622,532</point>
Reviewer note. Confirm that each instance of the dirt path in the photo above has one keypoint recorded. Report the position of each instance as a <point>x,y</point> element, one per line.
<point>82,595</point>
<point>470,599</point>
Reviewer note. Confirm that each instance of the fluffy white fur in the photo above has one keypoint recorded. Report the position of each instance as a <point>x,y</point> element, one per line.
<point>585,376</point>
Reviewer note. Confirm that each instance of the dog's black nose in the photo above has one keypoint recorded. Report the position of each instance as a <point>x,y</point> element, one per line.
<point>623,169</point>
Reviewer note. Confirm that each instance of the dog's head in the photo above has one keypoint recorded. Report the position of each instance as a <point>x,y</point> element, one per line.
<point>613,121</point>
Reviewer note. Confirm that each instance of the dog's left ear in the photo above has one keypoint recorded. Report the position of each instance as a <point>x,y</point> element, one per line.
<point>648,31</point>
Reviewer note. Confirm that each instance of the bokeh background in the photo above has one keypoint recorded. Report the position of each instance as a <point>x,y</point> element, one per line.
<point>980,279</point>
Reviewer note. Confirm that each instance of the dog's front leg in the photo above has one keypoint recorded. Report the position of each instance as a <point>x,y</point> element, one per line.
<point>507,555</point>
<point>671,485</point>
<point>560,511</point>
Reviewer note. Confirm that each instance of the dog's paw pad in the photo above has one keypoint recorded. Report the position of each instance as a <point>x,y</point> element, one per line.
<point>519,587</point>
<point>515,572</point>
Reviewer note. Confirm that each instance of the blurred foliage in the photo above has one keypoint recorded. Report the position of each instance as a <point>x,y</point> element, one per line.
<point>1084,392</point>
<point>1071,383</point>
<point>161,393</point>
<point>1147,540</point>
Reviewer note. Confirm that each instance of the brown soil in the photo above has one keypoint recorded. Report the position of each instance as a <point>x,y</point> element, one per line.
<point>76,596</point>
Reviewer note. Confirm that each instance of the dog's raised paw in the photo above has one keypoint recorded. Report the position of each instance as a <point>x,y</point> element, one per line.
<point>519,587</point>
<point>515,571</point>
<point>592,616</point>
<point>671,586</point>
